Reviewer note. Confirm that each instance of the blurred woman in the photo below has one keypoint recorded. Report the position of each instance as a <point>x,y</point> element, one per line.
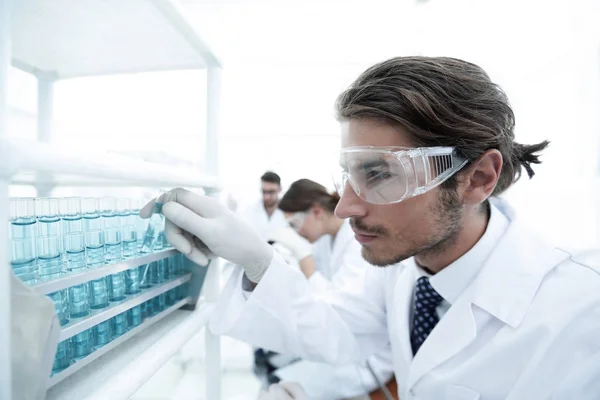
<point>329,257</point>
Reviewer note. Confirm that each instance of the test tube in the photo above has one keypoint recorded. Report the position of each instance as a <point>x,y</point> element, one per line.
<point>141,224</point>
<point>99,293</point>
<point>156,224</point>
<point>116,286</point>
<point>171,297</point>
<point>70,214</point>
<point>134,316</point>
<point>74,243</point>
<point>82,344</point>
<point>49,260</point>
<point>112,230</point>
<point>47,213</point>
<point>23,236</point>
<point>63,356</point>
<point>159,303</point>
<point>147,275</point>
<point>102,334</point>
<point>119,324</point>
<point>94,234</point>
<point>128,229</point>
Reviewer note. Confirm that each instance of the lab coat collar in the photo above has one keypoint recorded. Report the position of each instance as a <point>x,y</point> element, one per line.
<point>452,281</point>
<point>513,272</point>
<point>504,288</point>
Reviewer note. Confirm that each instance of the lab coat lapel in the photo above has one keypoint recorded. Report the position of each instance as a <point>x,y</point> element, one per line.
<point>452,334</point>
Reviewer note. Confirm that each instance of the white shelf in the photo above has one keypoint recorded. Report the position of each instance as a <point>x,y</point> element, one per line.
<point>118,374</point>
<point>71,38</point>
<point>73,279</point>
<point>46,160</point>
<point>96,317</point>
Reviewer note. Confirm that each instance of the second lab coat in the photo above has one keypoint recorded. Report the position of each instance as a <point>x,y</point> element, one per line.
<point>527,327</point>
<point>342,267</point>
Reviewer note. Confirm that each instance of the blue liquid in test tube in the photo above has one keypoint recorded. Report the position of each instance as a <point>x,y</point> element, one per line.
<point>134,316</point>
<point>22,239</point>
<point>117,286</point>
<point>119,324</point>
<point>102,333</point>
<point>159,303</point>
<point>49,260</point>
<point>47,213</point>
<point>76,262</point>
<point>99,293</point>
<point>112,230</point>
<point>171,297</point>
<point>94,232</point>
<point>158,272</point>
<point>128,229</point>
<point>82,344</point>
<point>63,356</point>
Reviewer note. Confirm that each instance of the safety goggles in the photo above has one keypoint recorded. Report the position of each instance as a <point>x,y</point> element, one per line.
<point>385,175</point>
<point>297,219</point>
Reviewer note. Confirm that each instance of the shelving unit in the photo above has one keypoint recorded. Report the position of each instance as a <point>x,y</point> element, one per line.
<point>63,39</point>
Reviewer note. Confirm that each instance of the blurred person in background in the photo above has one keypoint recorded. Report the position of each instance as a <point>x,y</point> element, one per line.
<point>264,216</point>
<point>329,258</point>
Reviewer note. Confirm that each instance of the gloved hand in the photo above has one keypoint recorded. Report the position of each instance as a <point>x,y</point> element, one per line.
<point>289,238</point>
<point>201,228</point>
<point>284,391</point>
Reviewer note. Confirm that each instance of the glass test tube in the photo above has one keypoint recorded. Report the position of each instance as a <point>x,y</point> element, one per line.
<point>22,239</point>
<point>156,224</point>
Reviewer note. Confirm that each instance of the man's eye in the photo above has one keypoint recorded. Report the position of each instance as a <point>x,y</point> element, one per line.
<point>373,176</point>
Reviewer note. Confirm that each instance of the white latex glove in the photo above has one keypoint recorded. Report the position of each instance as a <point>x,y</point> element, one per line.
<point>288,237</point>
<point>284,391</point>
<point>202,228</point>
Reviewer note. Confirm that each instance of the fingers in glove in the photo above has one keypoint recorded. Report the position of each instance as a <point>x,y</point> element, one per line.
<point>188,220</point>
<point>204,206</point>
<point>176,236</point>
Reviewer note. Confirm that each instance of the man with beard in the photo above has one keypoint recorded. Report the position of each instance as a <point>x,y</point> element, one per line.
<point>475,304</point>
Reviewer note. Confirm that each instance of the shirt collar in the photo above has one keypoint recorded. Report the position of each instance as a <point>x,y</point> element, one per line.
<point>456,277</point>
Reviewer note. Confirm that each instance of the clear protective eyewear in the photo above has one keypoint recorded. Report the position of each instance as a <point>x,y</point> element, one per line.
<point>386,175</point>
<point>296,220</point>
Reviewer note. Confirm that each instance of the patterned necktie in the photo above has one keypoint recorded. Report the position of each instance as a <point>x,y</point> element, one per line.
<point>424,315</point>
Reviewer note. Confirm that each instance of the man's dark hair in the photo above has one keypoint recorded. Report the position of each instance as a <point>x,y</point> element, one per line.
<point>271,177</point>
<point>442,101</point>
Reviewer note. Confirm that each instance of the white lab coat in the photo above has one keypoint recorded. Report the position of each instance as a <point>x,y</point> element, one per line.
<point>527,327</point>
<point>341,267</point>
<point>257,217</point>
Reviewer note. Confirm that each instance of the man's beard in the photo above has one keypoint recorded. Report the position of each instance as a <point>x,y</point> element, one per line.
<point>448,214</point>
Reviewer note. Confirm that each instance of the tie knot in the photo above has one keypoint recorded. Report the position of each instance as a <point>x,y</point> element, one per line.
<point>425,294</point>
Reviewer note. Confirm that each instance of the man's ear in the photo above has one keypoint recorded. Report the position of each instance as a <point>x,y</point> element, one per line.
<point>481,178</point>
